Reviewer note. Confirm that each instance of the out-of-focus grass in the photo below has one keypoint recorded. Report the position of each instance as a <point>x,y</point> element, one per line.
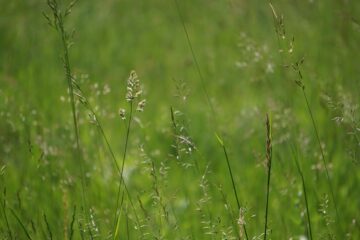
<point>237,50</point>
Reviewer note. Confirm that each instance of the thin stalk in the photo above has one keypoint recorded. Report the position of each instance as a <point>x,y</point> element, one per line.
<point>305,194</point>
<point>202,80</point>
<point>73,109</point>
<point>176,137</point>
<point>21,224</point>
<point>268,161</point>
<point>48,227</point>
<point>322,154</point>
<point>127,227</point>
<point>88,106</point>
<point>232,180</point>
<point>231,176</point>
<point>126,141</point>
<point>122,170</point>
<point>117,218</point>
<point>195,59</point>
<point>279,25</point>
<point>72,224</point>
<point>3,208</point>
<point>230,212</point>
<point>81,230</point>
<point>58,24</point>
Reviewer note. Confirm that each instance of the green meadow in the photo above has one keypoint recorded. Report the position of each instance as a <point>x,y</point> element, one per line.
<point>180,119</point>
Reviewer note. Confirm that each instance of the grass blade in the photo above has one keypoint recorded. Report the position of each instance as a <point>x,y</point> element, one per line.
<point>268,161</point>
<point>21,225</point>
<point>232,179</point>
<point>3,208</point>
<point>322,155</point>
<point>48,227</point>
<point>298,167</point>
<point>72,224</point>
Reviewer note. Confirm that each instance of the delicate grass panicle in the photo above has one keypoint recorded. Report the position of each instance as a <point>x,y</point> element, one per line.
<point>133,94</point>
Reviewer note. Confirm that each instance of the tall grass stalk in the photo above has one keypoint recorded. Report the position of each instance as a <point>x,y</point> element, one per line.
<point>203,86</point>
<point>280,30</point>
<point>231,213</point>
<point>232,180</point>
<point>117,219</point>
<point>268,165</point>
<point>57,22</point>
<point>202,80</point>
<point>127,137</point>
<point>95,119</point>
<point>133,94</point>
<point>322,154</point>
<point>298,167</point>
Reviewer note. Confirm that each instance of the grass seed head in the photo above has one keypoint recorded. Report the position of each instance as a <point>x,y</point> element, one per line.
<point>122,113</point>
<point>133,87</point>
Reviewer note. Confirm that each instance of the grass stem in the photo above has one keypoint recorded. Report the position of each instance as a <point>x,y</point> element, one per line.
<point>322,154</point>
<point>3,208</point>
<point>298,167</point>
<point>268,163</point>
<point>21,224</point>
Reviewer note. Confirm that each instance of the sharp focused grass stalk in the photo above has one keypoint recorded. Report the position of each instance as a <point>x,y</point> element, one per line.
<point>268,165</point>
<point>298,167</point>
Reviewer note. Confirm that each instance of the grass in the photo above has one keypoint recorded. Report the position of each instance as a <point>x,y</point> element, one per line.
<point>57,22</point>
<point>298,167</point>
<point>268,166</point>
<point>74,166</point>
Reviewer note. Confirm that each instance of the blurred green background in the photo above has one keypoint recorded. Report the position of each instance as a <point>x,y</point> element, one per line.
<point>244,75</point>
